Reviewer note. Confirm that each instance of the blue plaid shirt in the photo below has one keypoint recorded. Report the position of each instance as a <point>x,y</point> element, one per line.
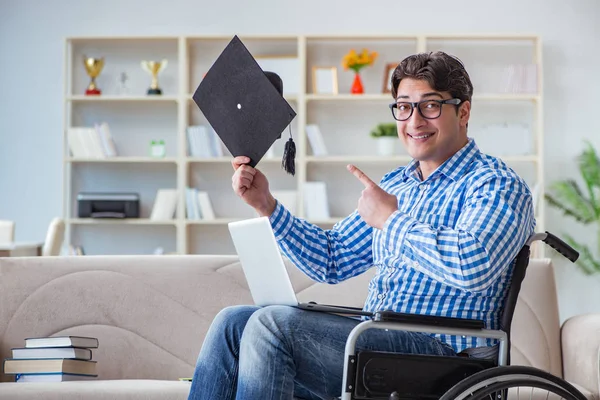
<point>447,251</point>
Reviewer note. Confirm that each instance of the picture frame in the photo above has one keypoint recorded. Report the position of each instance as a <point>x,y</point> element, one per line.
<point>324,80</point>
<point>288,69</point>
<point>387,77</point>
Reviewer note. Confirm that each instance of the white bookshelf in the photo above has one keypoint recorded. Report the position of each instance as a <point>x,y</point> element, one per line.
<point>344,119</point>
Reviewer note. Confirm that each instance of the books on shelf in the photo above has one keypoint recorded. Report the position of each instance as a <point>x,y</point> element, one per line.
<point>205,205</point>
<point>75,250</point>
<point>165,204</point>
<point>315,201</point>
<point>505,139</point>
<point>315,138</point>
<point>287,198</point>
<point>203,142</point>
<point>53,359</point>
<point>271,152</point>
<point>198,205</point>
<point>535,197</point>
<point>91,142</point>
<point>519,78</point>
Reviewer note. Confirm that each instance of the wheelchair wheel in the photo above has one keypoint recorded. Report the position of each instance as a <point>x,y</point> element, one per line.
<point>513,382</point>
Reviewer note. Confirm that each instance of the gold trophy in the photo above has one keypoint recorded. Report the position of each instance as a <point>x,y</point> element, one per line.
<point>153,68</point>
<point>93,67</point>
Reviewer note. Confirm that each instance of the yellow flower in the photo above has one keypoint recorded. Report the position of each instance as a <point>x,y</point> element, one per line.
<point>356,61</point>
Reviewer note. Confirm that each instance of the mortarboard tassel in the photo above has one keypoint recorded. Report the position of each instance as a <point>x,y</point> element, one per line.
<point>289,155</point>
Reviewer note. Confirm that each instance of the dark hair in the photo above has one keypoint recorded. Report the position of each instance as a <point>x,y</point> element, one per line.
<point>443,72</point>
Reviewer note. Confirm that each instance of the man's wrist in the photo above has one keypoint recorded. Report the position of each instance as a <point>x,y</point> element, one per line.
<point>268,208</point>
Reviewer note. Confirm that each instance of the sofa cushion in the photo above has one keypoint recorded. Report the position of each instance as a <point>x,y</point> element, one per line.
<point>535,336</point>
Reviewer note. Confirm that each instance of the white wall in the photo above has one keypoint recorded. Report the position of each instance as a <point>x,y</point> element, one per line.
<point>31,62</point>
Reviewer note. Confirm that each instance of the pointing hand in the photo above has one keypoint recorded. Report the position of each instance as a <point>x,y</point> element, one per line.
<point>375,204</point>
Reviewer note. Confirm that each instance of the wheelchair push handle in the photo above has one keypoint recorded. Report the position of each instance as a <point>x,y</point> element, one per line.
<point>556,243</point>
<point>562,247</point>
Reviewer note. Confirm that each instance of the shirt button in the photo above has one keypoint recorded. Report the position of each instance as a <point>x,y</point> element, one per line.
<point>381,296</point>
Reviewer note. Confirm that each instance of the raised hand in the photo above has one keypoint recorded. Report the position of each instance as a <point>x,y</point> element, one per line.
<point>252,186</point>
<point>375,204</point>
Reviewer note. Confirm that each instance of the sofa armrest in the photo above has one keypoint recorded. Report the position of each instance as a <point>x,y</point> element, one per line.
<point>580,337</point>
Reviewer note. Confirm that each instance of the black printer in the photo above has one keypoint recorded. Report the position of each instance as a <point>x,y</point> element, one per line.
<point>108,205</point>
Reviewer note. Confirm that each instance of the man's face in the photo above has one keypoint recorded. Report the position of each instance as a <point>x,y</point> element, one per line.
<point>432,141</point>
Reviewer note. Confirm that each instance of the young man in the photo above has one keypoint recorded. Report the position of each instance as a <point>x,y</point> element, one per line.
<point>442,233</point>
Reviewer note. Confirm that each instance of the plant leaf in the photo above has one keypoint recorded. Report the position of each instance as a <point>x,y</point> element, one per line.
<point>568,198</point>
<point>586,261</point>
<point>589,165</point>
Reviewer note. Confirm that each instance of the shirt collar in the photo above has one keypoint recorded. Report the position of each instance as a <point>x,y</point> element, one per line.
<point>411,171</point>
<point>453,168</point>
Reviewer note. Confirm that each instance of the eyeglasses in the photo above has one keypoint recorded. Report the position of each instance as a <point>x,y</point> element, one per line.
<point>429,109</point>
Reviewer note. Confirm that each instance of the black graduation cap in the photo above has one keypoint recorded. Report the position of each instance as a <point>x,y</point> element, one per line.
<point>245,105</point>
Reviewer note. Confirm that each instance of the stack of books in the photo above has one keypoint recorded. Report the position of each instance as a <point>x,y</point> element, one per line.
<point>203,142</point>
<point>198,205</point>
<point>53,359</point>
<point>88,142</point>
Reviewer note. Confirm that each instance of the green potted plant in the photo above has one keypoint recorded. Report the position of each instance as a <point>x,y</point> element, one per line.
<point>387,137</point>
<point>567,196</point>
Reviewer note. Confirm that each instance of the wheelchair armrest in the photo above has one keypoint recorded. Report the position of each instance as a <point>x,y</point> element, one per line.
<point>447,322</point>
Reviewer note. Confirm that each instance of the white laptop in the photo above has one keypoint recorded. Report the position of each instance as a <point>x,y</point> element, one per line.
<point>265,270</point>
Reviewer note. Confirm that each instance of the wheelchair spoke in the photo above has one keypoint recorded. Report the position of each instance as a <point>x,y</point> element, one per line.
<point>505,383</point>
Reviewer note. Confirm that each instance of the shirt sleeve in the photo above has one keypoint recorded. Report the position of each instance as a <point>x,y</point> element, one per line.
<point>494,223</point>
<point>328,256</point>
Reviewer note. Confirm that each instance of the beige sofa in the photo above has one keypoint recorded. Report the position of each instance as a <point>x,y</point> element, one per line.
<point>150,314</point>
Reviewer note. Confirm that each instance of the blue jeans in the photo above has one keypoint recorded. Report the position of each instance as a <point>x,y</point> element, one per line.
<point>278,352</point>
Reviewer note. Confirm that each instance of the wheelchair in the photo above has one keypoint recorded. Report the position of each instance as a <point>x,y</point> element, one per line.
<point>377,375</point>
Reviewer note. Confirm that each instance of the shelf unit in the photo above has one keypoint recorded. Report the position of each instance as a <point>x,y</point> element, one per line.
<point>344,119</point>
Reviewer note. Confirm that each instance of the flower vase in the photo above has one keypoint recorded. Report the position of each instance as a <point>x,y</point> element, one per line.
<point>386,146</point>
<point>357,86</point>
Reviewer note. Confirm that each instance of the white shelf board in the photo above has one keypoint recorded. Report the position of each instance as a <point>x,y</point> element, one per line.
<point>398,159</point>
<point>361,37</point>
<point>384,96</point>
<point>227,160</point>
<point>525,158</point>
<point>122,160</point>
<point>225,221</point>
<point>355,159</point>
<point>490,36</point>
<point>119,38</point>
<point>216,221</point>
<point>507,96</point>
<point>329,221</point>
<point>117,221</point>
<point>350,97</point>
<point>288,98</point>
<point>243,37</point>
<point>115,98</point>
